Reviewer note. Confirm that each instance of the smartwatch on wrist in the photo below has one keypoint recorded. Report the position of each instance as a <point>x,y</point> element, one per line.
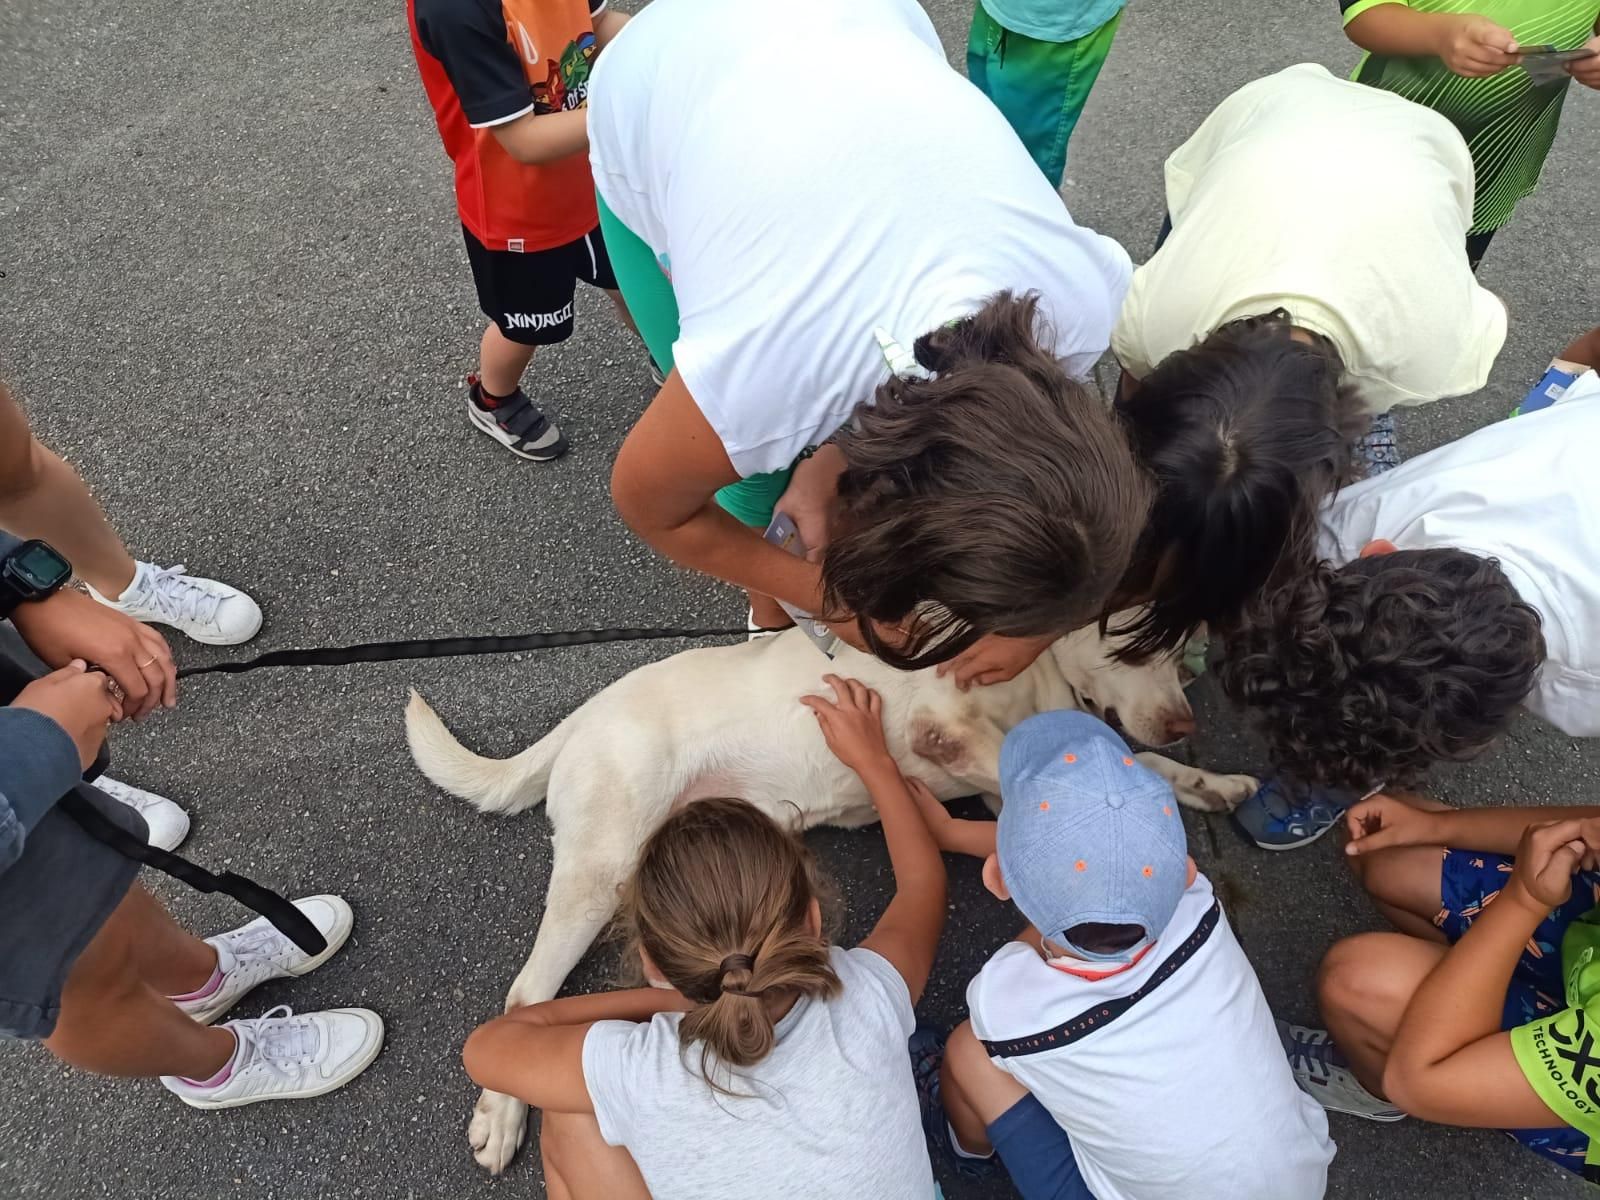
<point>32,571</point>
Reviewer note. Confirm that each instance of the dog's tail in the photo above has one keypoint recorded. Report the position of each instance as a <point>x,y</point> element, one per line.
<point>492,785</point>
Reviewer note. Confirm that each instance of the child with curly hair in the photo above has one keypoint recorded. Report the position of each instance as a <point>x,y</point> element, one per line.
<point>1469,587</point>
<point>761,1056</point>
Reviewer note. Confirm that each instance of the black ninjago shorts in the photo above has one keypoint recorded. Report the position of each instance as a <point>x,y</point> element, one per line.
<point>529,295</point>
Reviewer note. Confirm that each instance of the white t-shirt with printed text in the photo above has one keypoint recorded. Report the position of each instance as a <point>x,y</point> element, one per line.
<point>808,171</point>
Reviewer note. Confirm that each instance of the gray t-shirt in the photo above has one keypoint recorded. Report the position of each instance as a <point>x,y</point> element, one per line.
<point>831,1112</point>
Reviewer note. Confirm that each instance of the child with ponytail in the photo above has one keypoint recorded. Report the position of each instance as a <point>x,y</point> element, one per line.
<point>761,1059</point>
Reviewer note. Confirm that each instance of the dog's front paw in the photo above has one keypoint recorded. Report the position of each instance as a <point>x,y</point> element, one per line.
<point>499,1123</point>
<point>1214,793</point>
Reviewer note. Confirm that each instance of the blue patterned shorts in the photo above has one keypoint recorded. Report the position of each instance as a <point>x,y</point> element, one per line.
<point>1469,880</point>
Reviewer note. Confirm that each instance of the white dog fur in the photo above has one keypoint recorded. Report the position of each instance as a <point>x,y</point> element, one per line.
<point>726,721</point>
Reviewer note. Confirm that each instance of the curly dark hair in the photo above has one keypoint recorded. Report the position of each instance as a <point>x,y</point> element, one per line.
<point>1369,673</point>
<point>1245,435</point>
<point>997,496</point>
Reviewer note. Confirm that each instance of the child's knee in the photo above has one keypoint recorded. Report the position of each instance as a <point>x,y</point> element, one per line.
<point>1358,977</point>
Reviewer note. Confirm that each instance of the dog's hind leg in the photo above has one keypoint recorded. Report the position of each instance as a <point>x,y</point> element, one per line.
<point>581,900</point>
<point>1203,790</point>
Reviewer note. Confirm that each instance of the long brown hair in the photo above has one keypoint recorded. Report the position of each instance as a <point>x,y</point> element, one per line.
<point>997,496</point>
<point>721,902</point>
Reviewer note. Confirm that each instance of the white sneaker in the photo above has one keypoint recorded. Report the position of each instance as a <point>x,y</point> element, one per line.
<point>282,1056</point>
<point>1325,1076</point>
<point>252,954</point>
<point>168,824</point>
<point>206,610</point>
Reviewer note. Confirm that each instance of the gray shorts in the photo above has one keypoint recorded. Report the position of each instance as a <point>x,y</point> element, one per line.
<point>53,900</point>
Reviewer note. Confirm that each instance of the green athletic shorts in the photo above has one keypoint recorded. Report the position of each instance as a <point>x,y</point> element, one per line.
<point>648,292</point>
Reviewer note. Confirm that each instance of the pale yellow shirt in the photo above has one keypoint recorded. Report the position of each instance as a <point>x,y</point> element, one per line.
<point>1347,206</point>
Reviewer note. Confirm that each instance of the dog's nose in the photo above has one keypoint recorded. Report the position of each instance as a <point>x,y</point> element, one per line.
<point>1180,727</point>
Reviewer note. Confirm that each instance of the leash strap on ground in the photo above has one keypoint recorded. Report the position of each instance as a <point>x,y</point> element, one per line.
<point>341,656</point>
<point>285,917</point>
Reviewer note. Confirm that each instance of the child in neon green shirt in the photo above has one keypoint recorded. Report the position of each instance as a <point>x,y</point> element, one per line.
<point>1461,58</point>
<point>1483,1010</point>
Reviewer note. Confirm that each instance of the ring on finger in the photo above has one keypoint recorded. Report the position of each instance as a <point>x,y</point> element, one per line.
<point>114,689</point>
<point>146,662</point>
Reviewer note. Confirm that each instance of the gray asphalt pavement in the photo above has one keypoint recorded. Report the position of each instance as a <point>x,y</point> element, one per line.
<point>234,294</point>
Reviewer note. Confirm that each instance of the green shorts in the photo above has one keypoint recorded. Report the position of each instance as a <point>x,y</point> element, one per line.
<point>1041,87</point>
<point>648,293</point>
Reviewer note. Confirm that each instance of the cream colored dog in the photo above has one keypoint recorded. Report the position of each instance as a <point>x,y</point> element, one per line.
<point>727,721</point>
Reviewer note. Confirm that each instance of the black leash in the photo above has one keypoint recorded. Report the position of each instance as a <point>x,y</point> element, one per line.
<point>288,919</point>
<point>341,656</point>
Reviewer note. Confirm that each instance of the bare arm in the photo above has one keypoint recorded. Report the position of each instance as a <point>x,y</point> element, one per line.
<point>663,484</point>
<point>607,25</point>
<point>1389,820</point>
<point>536,1053</point>
<point>1450,1062</point>
<point>908,932</point>
<point>1468,44</point>
<point>545,137</point>
<point>1585,351</point>
<point>952,834</point>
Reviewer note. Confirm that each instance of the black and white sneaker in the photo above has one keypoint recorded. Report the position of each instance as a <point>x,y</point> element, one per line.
<point>515,422</point>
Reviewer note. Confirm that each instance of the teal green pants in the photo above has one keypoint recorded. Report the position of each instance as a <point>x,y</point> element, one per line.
<point>648,293</point>
<point>1041,87</point>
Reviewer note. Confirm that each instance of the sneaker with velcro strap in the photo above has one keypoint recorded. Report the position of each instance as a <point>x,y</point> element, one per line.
<point>515,422</point>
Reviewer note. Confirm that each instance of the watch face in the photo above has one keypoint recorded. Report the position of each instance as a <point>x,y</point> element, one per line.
<point>41,567</point>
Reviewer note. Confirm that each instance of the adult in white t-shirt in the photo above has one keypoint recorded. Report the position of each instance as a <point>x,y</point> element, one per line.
<point>1345,206</point>
<point>781,183</point>
<point>1460,586</point>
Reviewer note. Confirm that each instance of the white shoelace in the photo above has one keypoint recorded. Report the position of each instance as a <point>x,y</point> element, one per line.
<point>179,595</point>
<point>277,1039</point>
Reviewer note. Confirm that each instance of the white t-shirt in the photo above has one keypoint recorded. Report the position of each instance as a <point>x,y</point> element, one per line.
<point>1183,1095</point>
<point>1344,204</point>
<point>831,1113</point>
<point>1525,491</point>
<point>798,203</point>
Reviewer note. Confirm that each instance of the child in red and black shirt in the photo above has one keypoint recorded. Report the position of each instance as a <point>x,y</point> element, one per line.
<point>508,80</point>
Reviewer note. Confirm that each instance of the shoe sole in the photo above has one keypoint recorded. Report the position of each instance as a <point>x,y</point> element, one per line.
<point>339,935</point>
<point>1306,841</point>
<point>1378,1118</point>
<point>485,424</point>
<point>355,1067</point>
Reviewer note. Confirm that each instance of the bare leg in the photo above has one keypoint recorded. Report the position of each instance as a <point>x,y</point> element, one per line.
<point>1404,882</point>
<point>976,1093</point>
<point>1363,987</point>
<point>115,1021</point>
<point>501,361</point>
<point>579,1165</point>
<point>42,497</point>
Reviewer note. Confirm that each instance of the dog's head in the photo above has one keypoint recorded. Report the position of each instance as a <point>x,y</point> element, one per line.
<point>1146,699</point>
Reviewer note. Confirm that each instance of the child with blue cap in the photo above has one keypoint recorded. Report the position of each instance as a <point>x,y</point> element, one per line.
<point>1121,1047</point>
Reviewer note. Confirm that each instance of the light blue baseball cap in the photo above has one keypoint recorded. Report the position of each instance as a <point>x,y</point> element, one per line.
<point>1087,834</point>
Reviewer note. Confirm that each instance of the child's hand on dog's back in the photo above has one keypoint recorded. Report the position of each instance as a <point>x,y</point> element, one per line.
<point>852,725</point>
